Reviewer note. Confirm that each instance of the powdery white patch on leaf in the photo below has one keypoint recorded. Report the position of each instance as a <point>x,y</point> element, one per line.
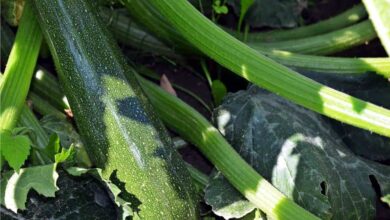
<point>300,154</point>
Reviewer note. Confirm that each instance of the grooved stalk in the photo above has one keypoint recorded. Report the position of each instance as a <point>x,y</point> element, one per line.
<point>258,69</point>
<point>15,84</point>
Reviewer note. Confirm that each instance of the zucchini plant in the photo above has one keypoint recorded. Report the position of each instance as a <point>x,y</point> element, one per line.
<point>264,72</point>
<point>268,154</point>
<point>131,34</point>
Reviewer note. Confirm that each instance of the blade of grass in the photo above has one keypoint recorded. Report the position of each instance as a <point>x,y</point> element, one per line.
<point>15,84</point>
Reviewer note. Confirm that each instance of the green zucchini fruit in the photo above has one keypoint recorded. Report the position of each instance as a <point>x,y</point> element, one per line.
<point>122,134</point>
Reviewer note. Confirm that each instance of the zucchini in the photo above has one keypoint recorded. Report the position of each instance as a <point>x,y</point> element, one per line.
<point>122,134</point>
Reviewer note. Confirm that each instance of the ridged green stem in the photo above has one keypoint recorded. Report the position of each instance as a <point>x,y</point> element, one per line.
<point>145,13</point>
<point>6,42</point>
<point>195,128</point>
<point>379,11</point>
<point>324,44</point>
<point>200,178</point>
<point>337,65</point>
<point>43,83</point>
<point>260,70</point>
<point>28,119</point>
<point>347,18</point>
<point>44,107</point>
<point>132,35</point>
<point>15,84</point>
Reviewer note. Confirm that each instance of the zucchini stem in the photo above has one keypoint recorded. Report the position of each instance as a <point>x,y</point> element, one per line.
<point>264,72</point>
<point>132,35</point>
<point>193,127</point>
<point>15,84</point>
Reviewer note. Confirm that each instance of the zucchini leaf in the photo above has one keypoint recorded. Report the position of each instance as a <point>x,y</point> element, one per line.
<point>300,154</point>
<point>78,198</point>
<point>126,209</point>
<point>362,142</point>
<point>15,186</point>
<point>369,88</point>
<point>379,11</point>
<point>225,200</point>
<point>68,137</point>
<point>14,148</point>
<point>271,13</point>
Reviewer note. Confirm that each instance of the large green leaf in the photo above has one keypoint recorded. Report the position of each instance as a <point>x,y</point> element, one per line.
<point>77,199</point>
<point>301,155</point>
<point>16,186</point>
<point>271,13</point>
<point>14,148</point>
<point>379,11</point>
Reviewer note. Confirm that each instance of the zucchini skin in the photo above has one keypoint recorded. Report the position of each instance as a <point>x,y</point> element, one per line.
<point>123,135</point>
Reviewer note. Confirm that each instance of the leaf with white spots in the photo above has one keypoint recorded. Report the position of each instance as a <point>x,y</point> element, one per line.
<point>300,154</point>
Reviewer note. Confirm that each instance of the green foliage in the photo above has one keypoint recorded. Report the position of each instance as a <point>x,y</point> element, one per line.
<point>218,90</point>
<point>271,13</point>
<point>79,198</point>
<point>224,200</point>
<point>15,186</point>
<point>301,155</point>
<point>244,6</point>
<point>68,137</point>
<point>125,206</point>
<point>219,7</point>
<point>15,149</point>
<point>15,84</point>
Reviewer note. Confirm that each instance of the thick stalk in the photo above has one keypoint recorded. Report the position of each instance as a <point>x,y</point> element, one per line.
<point>324,44</point>
<point>195,128</point>
<point>15,84</point>
<point>146,14</point>
<point>130,34</point>
<point>260,70</point>
<point>347,18</point>
<point>379,11</point>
